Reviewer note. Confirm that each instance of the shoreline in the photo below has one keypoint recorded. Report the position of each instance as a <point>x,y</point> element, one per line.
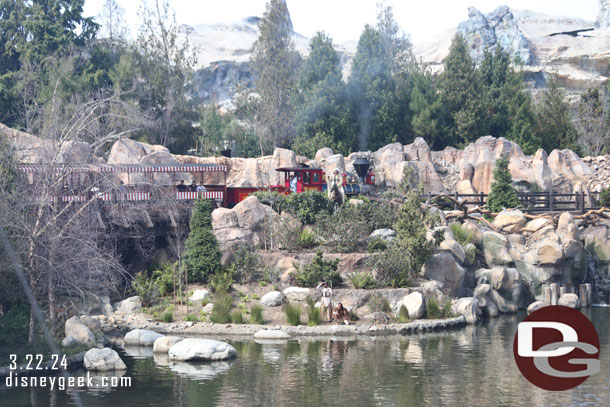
<point>208,328</point>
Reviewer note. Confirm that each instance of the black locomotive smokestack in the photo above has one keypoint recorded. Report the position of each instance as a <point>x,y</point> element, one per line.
<point>362,167</point>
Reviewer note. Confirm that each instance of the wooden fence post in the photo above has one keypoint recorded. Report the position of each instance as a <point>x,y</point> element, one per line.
<point>582,200</point>
<point>455,206</point>
<point>482,199</point>
<point>551,200</point>
<point>577,194</point>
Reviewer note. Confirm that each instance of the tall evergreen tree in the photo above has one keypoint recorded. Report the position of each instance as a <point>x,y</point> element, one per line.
<point>202,252</point>
<point>503,194</point>
<point>275,63</point>
<point>324,117</point>
<point>553,120</point>
<point>460,93</point>
<point>425,106</point>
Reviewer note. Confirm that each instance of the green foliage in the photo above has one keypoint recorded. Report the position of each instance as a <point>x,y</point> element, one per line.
<point>275,62</point>
<point>167,317</point>
<point>344,231</point>
<point>273,199</point>
<point>403,315</point>
<point>306,239</point>
<point>377,215</point>
<point>191,318</point>
<point>362,280</point>
<point>237,317</point>
<point>293,314</point>
<point>202,252</point>
<point>8,175</point>
<point>462,235</point>
<point>391,266</point>
<point>604,198</point>
<point>554,121</point>
<point>471,254</point>
<point>353,315</point>
<point>164,278</point>
<point>593,121</point>
<point>376,245</point>
<point>378,303</point>
<point>317,270</point>
<point>314,317</point>
<point>256,314</point>
<point>503,194</point>
<point>308,205</point>
<point>222,308</point>
<point>144,287</point>
<point>222,282</point>
<point>247,265</point>
<point>434,311</point>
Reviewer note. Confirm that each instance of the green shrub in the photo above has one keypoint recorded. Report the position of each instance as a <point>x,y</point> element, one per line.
<point>344,231</point>
<point>274,199</point>
<point>403,314</point>
<point>434,311</point>
<point>317,270</point>
<point>237,317</point>
<point>363,279</point>
<point>462,235</point>
<point>471,254</point>
<point>306,239</point>
<point>202,252</point>
<point>353,316</point>
<point>391,267</point>
<point>378,215</point>
<point>164,278</point>
<point>167,317</point>
<point>503,194</point>
<point>191,318</point>
<point>376,245</point>
<point>256,314</point>
<point>604,198</point>
<point>246,265</point>
<point>313,313</point>
<point>378,303</point>
<point>144,287</point>
<point>222,307</point>
<point>307,205</point>
<point>293,314</point>
<point>222,281</point>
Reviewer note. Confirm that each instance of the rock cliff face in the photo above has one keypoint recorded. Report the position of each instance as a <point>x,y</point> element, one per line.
<point>468,171</point>
<point>498,29</point>
<point>576,50</point>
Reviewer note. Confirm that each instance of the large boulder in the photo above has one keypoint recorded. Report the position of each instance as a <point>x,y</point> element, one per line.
<point>454,248</point>
<point>548,252</point>
<point>200,295</point>
<point>486,300</point>
<point>103,360</point>
<point>273,299</point>
<point>569,300</point>
<point>296,293</point>
<point>129,305</point>
<point>164,343</point>
<point>385,234</point>
<point>566,228</point>
<point>141,337</point>
<point>77,329</point>
<point>322,154</point>
<point>201,349</point>
<point>415,304</point>
<point>495,249</point>
<point>468,307</point>
<point>443,268</point>
<point>535,306</point>
<point>510,221</point>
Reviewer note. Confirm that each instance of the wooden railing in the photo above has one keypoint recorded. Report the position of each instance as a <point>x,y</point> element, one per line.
<point>530,201</point>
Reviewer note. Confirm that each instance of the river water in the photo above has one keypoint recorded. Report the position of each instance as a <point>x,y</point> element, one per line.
<point>472,366</point>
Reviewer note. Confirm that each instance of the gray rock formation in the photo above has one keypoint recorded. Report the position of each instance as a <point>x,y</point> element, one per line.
<point>103,360</point>
<point>498,29</point>
<point>603,17</point>
<point>141,337</point>
<point>77,329</point>
<point>201,349</point>
<point>164,343</point>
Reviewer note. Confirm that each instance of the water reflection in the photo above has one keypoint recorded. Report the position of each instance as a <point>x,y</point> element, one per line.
<point>470,366</point>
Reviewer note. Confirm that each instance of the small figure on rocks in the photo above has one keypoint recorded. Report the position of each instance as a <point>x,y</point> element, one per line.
<point>326,303</point>
<point>342,314</point>
<point>336,193</point>
<point>293,184</point>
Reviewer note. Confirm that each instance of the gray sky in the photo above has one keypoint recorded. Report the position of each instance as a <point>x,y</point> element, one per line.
<point>344,20</point>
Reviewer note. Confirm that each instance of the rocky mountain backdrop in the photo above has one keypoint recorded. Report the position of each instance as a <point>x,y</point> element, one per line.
<point>576,50</point>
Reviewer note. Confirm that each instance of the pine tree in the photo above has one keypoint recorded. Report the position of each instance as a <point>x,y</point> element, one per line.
<point>462,115</point>
<point>553,120</point>
<point>202,252</point>
<point>425,106</point>
<point>275,63</point>
<point>324,117</point>
<point>503,194</point>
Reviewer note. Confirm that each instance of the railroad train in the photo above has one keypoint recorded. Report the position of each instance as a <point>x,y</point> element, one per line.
<point>84,182</point>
